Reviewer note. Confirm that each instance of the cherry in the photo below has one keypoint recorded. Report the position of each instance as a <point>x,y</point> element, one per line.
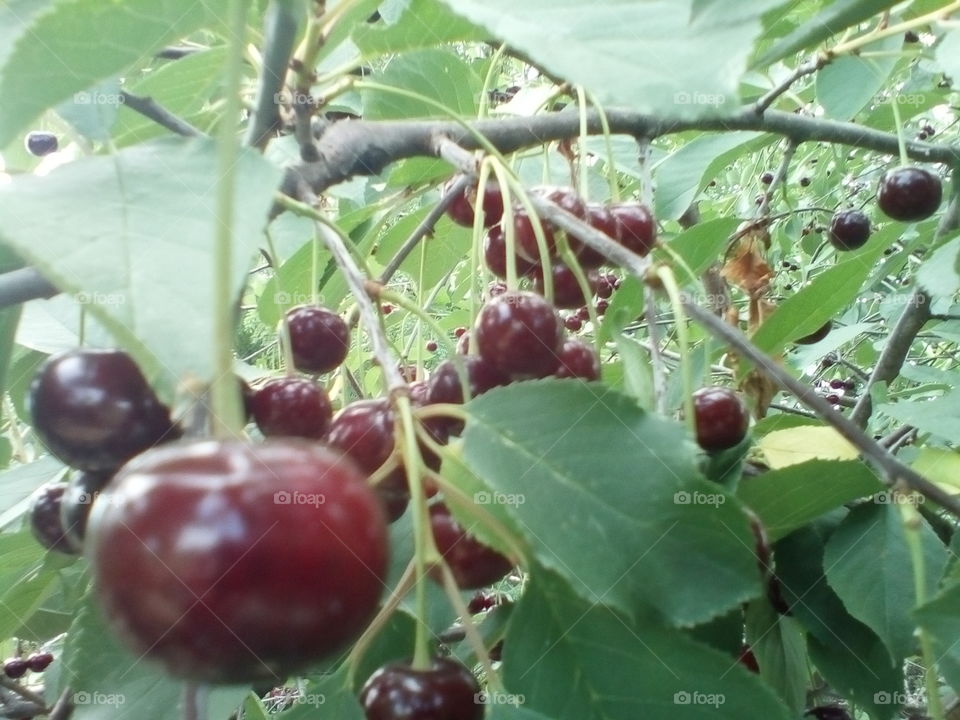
<point>473,564</point>
<point>832,399</point>
<point>229,562</point>
<point>599,218</point>
<point>496,289</point>
<point>480,602</point>
<point>431,346</point>
<point>804,182</point>
<point>766,178</point>
<point>418,393</point>
<point>292,406</point>
<point>837,384</point>
<point>578,360</point>
<point>495,255</point>
<point>583,313</point>
<point>45,518</point>
<point>463,343</point>
<point>602,306</point>
<point>459,332</point>
<point>605,286</point>
<point>41,143</point>
<point>461,210</point>
<point>721,418</point>
<point>636,228</point>
<point>94,410</point>
<point>909,194</point>
<point>319,339</point>
<point>15,668</point>
<point>525,236</point>
<point>386,308</point>
<point>520,334</point>
<point>39,662</point>
<point>445,387</point>
<point>817,335</point>
<point>748,659</point>
<point>567,293</point>
<point>849,230</point>
<point>573,323</point>
<point>444,691</point>
<point>76,503</point>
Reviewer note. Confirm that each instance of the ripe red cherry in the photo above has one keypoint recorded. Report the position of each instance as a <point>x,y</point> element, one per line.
<point>445,387</point>
<point>748,659</point>
<point>520,334</point>
<point>45,518</point>
<point>94,410</point>
<point>817,335</point>
<point>495,255</point>
<point>319,339</point>
<point>229,562</point>
<point>76,503</point>
<point>573,323</point>
<point>526,238</point>
<point>39,662</point>
<point>41,143</point>
<point>292,406</point>
<point>599,218</point>
<point>849,230</point>
<point>462,209</point>
<point>721,418</point>
<point>473,564</point>
<point>445,691</point>
<point>578,360</point>
<point>15,668</point>
<point>637,232</point>
<point>566,290</point>
<point>909,194</point>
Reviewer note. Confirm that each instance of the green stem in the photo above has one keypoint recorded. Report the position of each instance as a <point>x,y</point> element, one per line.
<point>226,415</point>
<point>583,174</point>
<point>683,336</point>
<point>901,139</point>
<point>611,160</point>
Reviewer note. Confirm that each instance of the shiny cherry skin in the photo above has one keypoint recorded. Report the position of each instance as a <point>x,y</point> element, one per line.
<point>525,235</point>
<point>520,334</point>
<point>229,562</point>
<point>495,255</point>
<point>473,564</point>
<point>909,194</point>
<point>817,335</point>
<point>319,339</point>
<point>849,230</point>
<point>567,293</point>
<point>637,231</point>
<point>445,387</point>
<point>599,218</point>
<point>77,502</point>
<point>39,662</point>
<point>463,207</point>
<point>445,691</point>
<point>722,420</point>
<point>293,407</point>
<point>41,143</point>
<point>578,360</point>
<point>94,410</point>
<point>15,668</point>
<point>45,520</point>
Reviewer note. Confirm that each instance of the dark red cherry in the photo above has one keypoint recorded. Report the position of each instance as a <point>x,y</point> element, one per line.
<point>77,502</point>
<point>39,662</point>
<point>909,194</point>
<point>573,323</point>
<point>292,406</point>
<point>637,231</point>
<point>230,562</point>
<point>462,209</point>
<point>445,387</point>
<point>599,218</point>
<point>45,518</point>
<point>444,691</point>
<point>849,230</point>
<point>817,335</point>
<point>525,237</point>
<point>15,668</point>
<point>567,293</point>
<point>473,564</point>
<point>722,420</point>
<point>319,339</point>
<point>578,360</point>
<point>748,659</point>
<point>495,255</point>
<point>41,143</point>
<point>94,410</point>
<point>520,334</point>
<point>481,601</point>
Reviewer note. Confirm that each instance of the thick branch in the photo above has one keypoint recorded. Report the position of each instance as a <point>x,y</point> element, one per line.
<point>18,286</point>
<point>150,108</point>
<point>362,147</point>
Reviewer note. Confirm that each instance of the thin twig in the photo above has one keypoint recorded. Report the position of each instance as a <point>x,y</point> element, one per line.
<point>18,286</point>
<point>807,68</point>
<point>150,108</point>
<point>779,178</point>
<point>656,358</point>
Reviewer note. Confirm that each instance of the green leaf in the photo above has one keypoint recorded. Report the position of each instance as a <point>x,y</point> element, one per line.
<point>71,36</point>
<point>330,696</point>
<point>610,669</point>
<point>94,120</point>
<point>940,273</point>
<point>9,322</point>
<point>548,444</point>
<point>700,246</point>
<point>681,174</point>
<point>17,484</point>
<point>823,299</point>
<point>424,23</point>
<point>139,242</point>
<point>650,55</point>
<point>789,498</point>
<point>832,19</point>
<point>867,561</point>
<point>846,85</point>
<point>449,244</point>
<point>780,646</point>
<point>948,55</point>
<point>439,75</point>
<point>513,712</point>
<point>939,417</point>
<point>941,619</point>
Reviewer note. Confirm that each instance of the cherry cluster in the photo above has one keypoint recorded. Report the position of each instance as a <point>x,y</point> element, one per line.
<point>15,668</point>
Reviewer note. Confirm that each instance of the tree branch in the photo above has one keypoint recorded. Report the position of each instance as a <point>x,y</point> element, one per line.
<point>18,286</point>
<point>150,108</point>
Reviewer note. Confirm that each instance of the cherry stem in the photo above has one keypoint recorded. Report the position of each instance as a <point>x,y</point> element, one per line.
<point>880,32</point>
<point>226,417</point>
<point>656,358</point>
<point>912,524</point>
<point>509,233</point>
<point>608,144</point>
<point>901,139</point>
<point>194,701</point>
<point>283,327</point>
<point>584,177</point>
<point>414,309</point>
<point>683,335</point>
<point>571,261</point>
